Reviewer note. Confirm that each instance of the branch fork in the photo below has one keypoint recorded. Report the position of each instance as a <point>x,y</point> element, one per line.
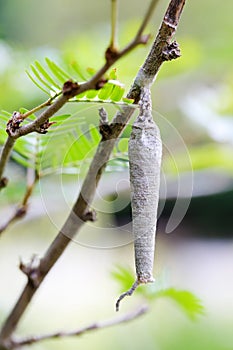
<point>32,270</point>
<point>70,89</point>
<point>147,73</point>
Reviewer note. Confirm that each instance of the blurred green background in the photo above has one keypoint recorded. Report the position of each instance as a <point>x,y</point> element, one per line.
<point>193,106</point>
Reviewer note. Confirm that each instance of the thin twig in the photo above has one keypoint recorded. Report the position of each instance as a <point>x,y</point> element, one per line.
<point>65,97</point>
<point>32,179</point>
<point>81,207</point>
<point>114,15</point>
<point>93,82</point>
<point>147,17</point>
<point>80,331</point>
<point>22,208</point>
<point>41,106</point>
<point>129,292</point>
<point>6,150</point>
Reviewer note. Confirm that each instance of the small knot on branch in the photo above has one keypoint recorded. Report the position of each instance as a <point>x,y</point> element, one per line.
<point>90,215</point>
<point>111,54</point>
<point>70,88</point>
<point>14,123</point>
<point>106,131</point>
<point>3,182</point>
<point>171,52</point>
<point>43,128</point>
<point>31,270</point>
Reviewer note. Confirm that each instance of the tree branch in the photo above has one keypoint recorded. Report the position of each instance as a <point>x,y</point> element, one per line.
<point>80,331</point>
<point>6,150</point>
<point>22,208</point>
<point>160,52</point>
<point>147,17</point>
<point>41,106</point>
<point>70,90</point>
<point>114,15</point>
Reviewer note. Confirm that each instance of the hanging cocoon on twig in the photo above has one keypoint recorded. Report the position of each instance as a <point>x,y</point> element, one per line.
<point>145,153</point>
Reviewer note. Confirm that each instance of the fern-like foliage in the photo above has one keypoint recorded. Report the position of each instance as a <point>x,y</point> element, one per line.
<point>50,78</point>
<point>68,147</point>
<point>187,301</point>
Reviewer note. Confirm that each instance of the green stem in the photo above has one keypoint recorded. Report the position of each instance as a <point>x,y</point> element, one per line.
<point>41,106</point>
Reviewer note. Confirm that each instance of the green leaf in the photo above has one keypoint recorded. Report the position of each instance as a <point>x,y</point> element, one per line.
<point>46,76</point>
<point>105,91</point>
<point>74,154</point>
<point>66,145</point>
<point>23,110</point>
<point>4,117</point>
<point>90,94</point>
<point>82,95</point>
<point>95,135</point>
<point>21,160</point>
<point>124,277</point>
<point>78,70</point>
<point>128,100</point>
<point>6,114</point>
<point>186,300</point>
<point>36,83</point>
<point>3,134</point>
<point>111,92</point>
<point>117,93</point>
<point>37,75</point>
<point>44,80</point>
<point>60,118</point>
<point>58,72</point>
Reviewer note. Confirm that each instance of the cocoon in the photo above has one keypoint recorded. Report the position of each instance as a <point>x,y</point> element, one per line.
<point>145,153</point>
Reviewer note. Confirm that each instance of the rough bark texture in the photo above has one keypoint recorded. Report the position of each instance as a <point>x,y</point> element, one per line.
<point>145,152</point>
